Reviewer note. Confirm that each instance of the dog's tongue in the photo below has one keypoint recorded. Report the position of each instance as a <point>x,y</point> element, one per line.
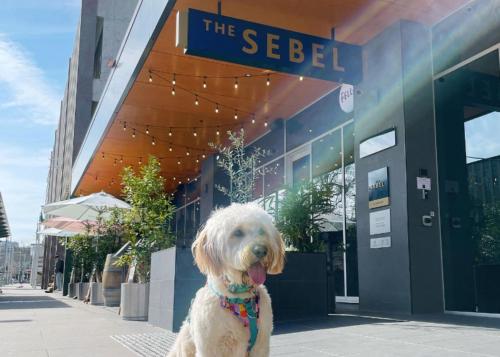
<point>257,273</point>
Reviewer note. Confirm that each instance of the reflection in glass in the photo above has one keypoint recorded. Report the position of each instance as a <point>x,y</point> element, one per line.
<point>377,143</point>
<point>300,170</point>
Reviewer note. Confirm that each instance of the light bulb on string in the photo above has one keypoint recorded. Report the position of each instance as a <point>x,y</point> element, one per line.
<point>102,155</point>
<point>268,82</point>
<point>265,124</point>
<point>235,115</point>
<point>197,160</point>
<point>150,77</point>
<point>217,132</point>
<point>124,126</point>
<point>153,141</point>
<point>173,90</point>
<point>114,162</point>
<point>170,132</point>
<point>140,161</point>
<point>188,153</point>
<point>170,148</point>
<point>121,159</point>
<point>178,162</point>
<point>196,101</point>
<point>133,133</point>
<point>147,129</point>
<point>173,80</point>
<point>195,134</point>
<point>301,78</point>
<point>217,107</point>
<point>205,82</point>
<point>253,119</point>
<point>235,82</point>
<point>203,156</point>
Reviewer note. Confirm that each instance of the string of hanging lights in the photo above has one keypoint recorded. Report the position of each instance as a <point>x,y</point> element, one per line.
<point>172,83</point>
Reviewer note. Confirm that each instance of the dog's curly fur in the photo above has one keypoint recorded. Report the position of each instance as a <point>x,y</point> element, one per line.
<point>223,252</point>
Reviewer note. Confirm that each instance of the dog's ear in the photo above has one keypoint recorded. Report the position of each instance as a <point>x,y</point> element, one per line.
<point>278,262</point>
<point>204,257</point>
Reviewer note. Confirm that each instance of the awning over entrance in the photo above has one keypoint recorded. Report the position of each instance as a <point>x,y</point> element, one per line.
<point>172,104</point>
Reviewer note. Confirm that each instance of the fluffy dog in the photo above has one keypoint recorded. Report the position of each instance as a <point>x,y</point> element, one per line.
<point>231,315</point>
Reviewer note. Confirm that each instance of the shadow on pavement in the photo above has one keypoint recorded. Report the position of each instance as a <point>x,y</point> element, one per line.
<point>328,322</point>
<point>29,302</point>
<point>353,317</point>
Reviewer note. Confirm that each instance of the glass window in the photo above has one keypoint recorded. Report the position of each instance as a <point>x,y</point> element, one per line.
<point>274,177</point>
<point>98,48</point>
<point>351,253</point>
<point>327,153</point>
<point>300,170</point>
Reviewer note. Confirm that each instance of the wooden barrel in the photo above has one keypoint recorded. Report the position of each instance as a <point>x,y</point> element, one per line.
<point>111,282</point>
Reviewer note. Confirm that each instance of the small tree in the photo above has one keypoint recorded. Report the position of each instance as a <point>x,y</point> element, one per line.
<point>83,254</point>
<point>240,166</point>
<point>109,234</point>
<point>145,224</point>
<point>301,214</point>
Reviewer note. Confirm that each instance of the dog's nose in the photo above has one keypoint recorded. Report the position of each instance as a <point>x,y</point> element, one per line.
<point>259,250</point>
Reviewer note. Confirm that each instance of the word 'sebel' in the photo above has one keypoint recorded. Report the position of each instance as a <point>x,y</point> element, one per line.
<point>233,40</point>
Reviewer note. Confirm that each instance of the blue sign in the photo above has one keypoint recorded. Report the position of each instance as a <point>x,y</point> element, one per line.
<point>233,40</point>
<point>378,188</point>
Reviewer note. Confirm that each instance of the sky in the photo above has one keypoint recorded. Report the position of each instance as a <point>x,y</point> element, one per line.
<point>36,41</point>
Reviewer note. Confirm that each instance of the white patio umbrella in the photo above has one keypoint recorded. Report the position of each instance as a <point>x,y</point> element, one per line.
<point>84,208</point>
<point>55,232</point>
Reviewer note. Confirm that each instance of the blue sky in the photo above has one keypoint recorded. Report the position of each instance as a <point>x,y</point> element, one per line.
<point>36,41</point>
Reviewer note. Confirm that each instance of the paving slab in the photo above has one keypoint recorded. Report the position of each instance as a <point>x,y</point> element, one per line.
<point>35,324</point>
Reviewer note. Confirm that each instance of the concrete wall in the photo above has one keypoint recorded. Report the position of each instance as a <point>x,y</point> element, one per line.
<point>174,281</point>
<point>396,92</point>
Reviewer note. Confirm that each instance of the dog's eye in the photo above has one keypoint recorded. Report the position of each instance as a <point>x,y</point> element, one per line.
<point>238,233</point>
<point>261,231</point>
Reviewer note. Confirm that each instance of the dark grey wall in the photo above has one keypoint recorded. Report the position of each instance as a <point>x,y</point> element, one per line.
<point>87,43</point>
<point>384,274</point>
<point>425,243</point>
<point>396,92</point>
<point>174,282</point>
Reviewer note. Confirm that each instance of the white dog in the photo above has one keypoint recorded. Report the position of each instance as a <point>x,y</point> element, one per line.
<point>231,315</point>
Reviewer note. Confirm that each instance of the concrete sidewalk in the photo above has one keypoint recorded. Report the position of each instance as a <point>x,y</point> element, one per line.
<point>33,323</point>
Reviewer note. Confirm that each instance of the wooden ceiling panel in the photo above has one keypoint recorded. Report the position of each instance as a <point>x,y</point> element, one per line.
<point>151,106</point>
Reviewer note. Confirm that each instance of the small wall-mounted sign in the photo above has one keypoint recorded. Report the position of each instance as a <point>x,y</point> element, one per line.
<point>424,183</point>
<point>378,188</point>
<point>377,143</point>
<point>248,43</point>
<point>383,242</point>
<point>380,222</point>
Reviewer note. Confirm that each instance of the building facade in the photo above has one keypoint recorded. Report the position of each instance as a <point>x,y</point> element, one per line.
<point>416,217</point>
<point>99,33</point>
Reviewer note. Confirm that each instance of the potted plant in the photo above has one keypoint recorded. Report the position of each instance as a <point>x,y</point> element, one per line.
<point>108,238</point>
<point>303,214</point>
<point>83,262</point>
<point>144,225</point>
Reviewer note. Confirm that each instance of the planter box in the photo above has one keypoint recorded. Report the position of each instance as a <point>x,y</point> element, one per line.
<point>134,301</point>
<point>174,281</point>
<point>82,290</point>
<point>299,292</point>
<point>96,297</point>
<point>71,290</point>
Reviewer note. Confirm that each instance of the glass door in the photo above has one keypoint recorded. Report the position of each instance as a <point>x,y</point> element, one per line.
<point>468,139</point>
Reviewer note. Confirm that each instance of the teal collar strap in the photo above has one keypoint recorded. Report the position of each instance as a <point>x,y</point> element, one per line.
<point>245,309</point>
<point>239,288</point>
